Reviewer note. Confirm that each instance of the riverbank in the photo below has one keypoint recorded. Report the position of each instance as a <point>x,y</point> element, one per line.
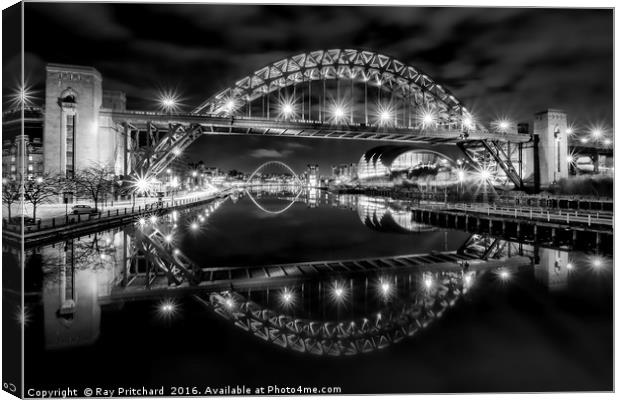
<point>55,229</point>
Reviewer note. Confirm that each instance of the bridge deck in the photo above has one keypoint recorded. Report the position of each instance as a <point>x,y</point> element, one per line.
<point>269,276</point>
<point>211,124</point>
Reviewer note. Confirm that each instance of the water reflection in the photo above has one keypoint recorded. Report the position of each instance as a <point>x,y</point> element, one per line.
<point>340,307</point>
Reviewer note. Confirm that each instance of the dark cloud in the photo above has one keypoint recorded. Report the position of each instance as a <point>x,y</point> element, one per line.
<point>498,61</point>
<point>270,153</point>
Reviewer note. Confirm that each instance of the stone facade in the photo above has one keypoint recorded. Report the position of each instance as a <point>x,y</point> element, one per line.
<point>75,134</point>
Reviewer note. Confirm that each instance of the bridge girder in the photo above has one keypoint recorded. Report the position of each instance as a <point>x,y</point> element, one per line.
<point>334,64</point>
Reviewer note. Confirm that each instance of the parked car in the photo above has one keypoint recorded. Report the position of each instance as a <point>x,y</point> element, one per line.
<point>83,209</point>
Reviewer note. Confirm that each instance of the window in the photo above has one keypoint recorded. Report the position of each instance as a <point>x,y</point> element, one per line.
<point>556,134</point>
<point>30,168</point>
<point>13,159</point>
<point>70,134</point>
<point>12,168</point>
<point>29,158</point>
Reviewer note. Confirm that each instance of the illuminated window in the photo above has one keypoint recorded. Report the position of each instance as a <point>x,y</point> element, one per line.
<point>30,167</point>
<point>29,158</point>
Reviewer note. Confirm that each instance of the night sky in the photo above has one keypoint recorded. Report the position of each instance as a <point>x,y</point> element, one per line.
<point>498,62</point>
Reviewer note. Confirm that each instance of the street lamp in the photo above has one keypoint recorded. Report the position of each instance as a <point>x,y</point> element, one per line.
<point>502,125</point>
<point>168,101</point>
<point>596,133</point>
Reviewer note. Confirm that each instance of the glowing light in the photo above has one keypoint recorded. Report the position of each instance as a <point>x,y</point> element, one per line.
<point>142,221</point>
<point>469,122</point>
<point>168,238</point>
<point>177,151</point>
<point>338,113</point>
<point>39,180</point>
<point>484,174</point>
<point>287,298</point>
<point>22,315</point>
<point>570,159</point>
<point>338,293</point>
<point>167,308</point>
<point>229,106</point>
<point>596,132</point>
<point>569,266</point>
<point>169,101</point>
<point>168,171</point>
<point>504,275</point>
<point>502,124</point>
<point>468,279</point>
<point>427,118</point>
<point>229,303</point>
<point>583,140</point>
<point>193,226</point>
<point>385,288</point>
<point>287,107</point>
<point>153,219</point>
<point>385,114</point>
<point>22,96</point>
<point>428,282</point>
<point>607,142</point>
<point>570,130</point>
<point>142,184</point>
<point>461,175</point>
<point>176,251</point>
<point>597,262</point>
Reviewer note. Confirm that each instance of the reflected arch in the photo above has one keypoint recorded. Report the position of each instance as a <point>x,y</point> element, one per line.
<point>348,337</point>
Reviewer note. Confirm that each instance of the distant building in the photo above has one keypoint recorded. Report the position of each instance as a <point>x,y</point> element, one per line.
<point>312,174</point>
<point>27,146</point>
<point>344,172</point>
<point>387,165</point>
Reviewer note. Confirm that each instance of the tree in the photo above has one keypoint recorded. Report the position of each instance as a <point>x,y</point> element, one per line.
<point>40,189</point>
<point>94,182</point>
<point>11,192</point>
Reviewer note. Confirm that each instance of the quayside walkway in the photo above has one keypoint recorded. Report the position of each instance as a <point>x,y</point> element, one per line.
<point>54,229</point>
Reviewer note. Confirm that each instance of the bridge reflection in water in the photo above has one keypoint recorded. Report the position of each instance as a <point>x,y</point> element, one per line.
<point>332,307</point>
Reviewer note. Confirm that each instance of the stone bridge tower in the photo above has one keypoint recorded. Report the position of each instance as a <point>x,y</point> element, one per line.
<point>550,127</point>
<point>75,135</point>
<point>546,161</point>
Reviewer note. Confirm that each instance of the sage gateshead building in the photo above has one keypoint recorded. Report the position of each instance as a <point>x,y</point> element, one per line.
<point>406,165</point>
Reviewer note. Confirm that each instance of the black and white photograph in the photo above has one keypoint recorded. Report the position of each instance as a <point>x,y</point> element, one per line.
<point>244,199</point>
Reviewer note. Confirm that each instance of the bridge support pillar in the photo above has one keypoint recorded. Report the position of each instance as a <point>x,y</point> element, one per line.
<point>548,159</point>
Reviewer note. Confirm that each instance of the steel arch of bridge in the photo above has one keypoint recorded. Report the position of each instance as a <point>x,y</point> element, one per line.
<point>175,133</point>
<point>335,64</point>
<point>274,162</point>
